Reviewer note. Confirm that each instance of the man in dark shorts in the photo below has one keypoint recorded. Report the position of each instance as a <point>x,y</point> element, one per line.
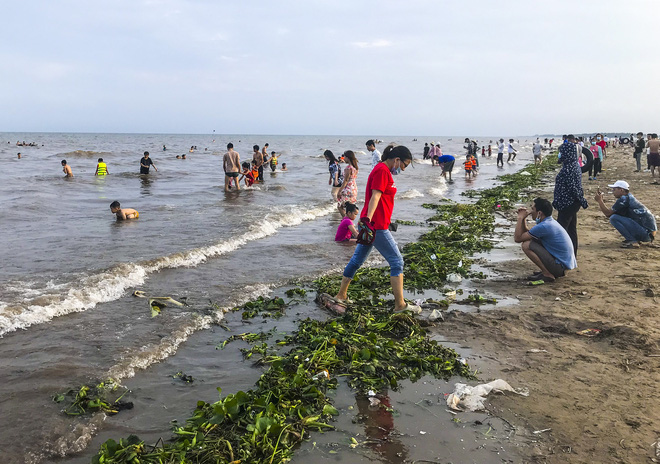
<point>258,158</point>
<point>547,244</point>
<point>145,163</point>
<point>231,164</point>
<point>447,164</point>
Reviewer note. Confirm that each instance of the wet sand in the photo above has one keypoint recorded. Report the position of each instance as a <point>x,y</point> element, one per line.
<point>598,395</point>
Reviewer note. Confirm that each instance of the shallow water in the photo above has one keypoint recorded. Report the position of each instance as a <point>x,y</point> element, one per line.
<point>67,316</point>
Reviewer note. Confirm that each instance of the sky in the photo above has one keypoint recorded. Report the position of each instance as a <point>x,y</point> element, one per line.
<point>351,67</point>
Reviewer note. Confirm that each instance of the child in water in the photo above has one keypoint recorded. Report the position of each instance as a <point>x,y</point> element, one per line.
<point>101,168</point>
<point>284,167</point>
<point>247,174</point>
<point>123,213</point>
<point>346,230</point>
<point>468,166</point>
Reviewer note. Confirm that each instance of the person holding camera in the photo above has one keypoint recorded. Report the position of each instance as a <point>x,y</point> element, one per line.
<point>375,224</point>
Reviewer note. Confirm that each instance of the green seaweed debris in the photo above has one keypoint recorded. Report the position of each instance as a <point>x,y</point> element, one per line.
<point>369,346</point>
<point>105,396</point>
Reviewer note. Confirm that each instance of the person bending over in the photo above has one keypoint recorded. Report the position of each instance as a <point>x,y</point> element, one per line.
<point>123,213</point>
<point>631,218</point>
<point>547,244</point>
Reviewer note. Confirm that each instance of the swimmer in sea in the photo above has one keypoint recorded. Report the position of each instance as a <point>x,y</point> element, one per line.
<point>284,167</point>
<point>123,213</point>
<point>66,169</point>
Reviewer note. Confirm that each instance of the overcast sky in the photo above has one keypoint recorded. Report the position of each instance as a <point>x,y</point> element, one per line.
<point>413,67</point>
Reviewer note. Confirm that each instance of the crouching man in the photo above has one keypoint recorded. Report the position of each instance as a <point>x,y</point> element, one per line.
<point>631,218</point>
<point>547,244</point>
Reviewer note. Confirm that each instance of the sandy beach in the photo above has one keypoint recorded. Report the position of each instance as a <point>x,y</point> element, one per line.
<point>597,395</point>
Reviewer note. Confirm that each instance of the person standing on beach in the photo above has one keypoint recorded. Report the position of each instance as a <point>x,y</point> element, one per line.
<point>569,196</point>
<point>500,152</point>
<point>639,149</point>
<point>375,154</point>
<point>512,151</point>
<point>146,163</point>
<point>348,191</point>
<point>258,159</point>
<point>375,220</point>
<point>536,151</point>
<point>631,218</point>
<point>336,178</point>
<point>596,165</point>
<point>600,141</point>
<point>231,164</point>
<point>66,169</point>
<point>434,153</point>
<point>653,146</point>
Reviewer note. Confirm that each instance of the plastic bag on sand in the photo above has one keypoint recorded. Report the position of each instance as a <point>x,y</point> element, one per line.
<point>453,277</point>
<point>470,398</point>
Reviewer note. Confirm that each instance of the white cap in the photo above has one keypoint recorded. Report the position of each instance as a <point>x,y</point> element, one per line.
<point>620,184</point>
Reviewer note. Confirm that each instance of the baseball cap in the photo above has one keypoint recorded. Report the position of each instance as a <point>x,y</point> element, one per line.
<point>620,184</point>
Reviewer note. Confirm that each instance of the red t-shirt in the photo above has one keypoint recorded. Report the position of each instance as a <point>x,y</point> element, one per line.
<point>602,144</point>
<point>380,179</point>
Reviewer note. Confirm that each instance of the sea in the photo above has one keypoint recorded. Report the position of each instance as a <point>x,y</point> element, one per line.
<point>67,311</point>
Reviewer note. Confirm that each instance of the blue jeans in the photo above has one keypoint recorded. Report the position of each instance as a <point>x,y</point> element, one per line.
<point>385,244</point>
<point>630,230</point>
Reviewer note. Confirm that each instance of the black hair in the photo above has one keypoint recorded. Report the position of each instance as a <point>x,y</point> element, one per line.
<point>245,165</point>
<point>398,151</point>
<point>571,137</point>
<point>100,160</point>
<point>146,152</point>
<point>352,160</point>
<point>272,153</point>
<point>255,148</point>
<point>115,204</point>
<point>63,162</point>
<point>330,156</point>
<point>510,140</point>
<point>350,207</point>
<point>230,145</point>
<point>370,142</point>
<point>266,145</point>
<point>544,206</point>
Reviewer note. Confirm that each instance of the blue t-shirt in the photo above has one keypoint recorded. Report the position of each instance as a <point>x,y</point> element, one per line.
<point>446,159</point>
<point>555,239</point>
<point>628,206</point>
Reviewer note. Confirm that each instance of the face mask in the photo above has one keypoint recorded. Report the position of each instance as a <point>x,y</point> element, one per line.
<point>537,220</point>
<point>395,171</point>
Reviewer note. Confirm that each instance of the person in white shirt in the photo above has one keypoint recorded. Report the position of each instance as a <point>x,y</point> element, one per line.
<point>375,154</point>
<point>536,151</point>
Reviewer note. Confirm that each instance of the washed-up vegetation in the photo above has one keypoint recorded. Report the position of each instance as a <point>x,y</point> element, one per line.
<point>87,399</point>
<point>369,346</point>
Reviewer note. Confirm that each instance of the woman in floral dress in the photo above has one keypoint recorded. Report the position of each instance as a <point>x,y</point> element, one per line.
<point>348,191</point>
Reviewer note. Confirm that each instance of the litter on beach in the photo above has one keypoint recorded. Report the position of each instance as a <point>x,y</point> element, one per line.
<point>588,332</point>
<point>453,277</point>
<point>467,398</point>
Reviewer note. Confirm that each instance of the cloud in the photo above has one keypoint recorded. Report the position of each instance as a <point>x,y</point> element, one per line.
<point>379,43</point>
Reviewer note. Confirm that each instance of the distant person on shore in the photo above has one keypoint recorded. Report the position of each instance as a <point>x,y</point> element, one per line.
<point>101,168</point>
<point>346,230</point>
<point>336,177</point>
<point>512,151</point>
<point>447,164</point>
<point>231,164</point>
<point>284,168</point>
<point>639,149</point>
<point>66,169</point>
<point>597,164</point>
<point>146,163</point>
<point>348,192</point>
<point>123,213</point>
<point>536,151</point>
<point>600,141</point>
<point>500,152</point>
<point>258,159</point>
<point>374,232</point>
<point>434,153</point>
<point>568,194</point>
<point>653,146</point>
<point>375,154</point>
<point>631,218</point>
<point>547,244</point>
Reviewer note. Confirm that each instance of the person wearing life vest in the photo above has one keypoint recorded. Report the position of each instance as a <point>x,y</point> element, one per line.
<point>273,161</point>
<point>101,168</point>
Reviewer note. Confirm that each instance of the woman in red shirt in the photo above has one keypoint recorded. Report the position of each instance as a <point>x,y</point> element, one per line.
<point>377,215</point>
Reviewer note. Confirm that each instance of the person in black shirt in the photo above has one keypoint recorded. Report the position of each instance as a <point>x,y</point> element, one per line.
<point>145,163</point>
<point>640,145</point>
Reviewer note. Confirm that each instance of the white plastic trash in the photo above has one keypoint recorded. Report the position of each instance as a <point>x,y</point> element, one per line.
<point>453,277</point>
<point>470,398</point>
